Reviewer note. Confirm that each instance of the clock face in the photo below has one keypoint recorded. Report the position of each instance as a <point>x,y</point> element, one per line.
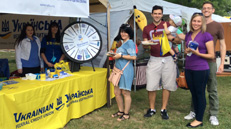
<point>81,42</point>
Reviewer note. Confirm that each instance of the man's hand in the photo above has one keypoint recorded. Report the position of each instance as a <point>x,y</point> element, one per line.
<point>223,53</point>
<point>177,40</point>
<point>221,68</point>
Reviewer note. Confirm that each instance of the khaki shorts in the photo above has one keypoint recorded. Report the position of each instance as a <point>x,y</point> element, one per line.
<point>161,68</point>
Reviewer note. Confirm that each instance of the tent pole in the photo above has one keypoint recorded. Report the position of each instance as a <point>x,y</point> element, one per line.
<point>107,63</point>
<point>134,80</point>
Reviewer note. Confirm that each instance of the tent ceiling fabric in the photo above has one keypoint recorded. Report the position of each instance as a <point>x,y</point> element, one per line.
<point>99,20</point>
<point>104,2</point>
<point>97,6</point>
<point>169,8</point>
<point>118,16</point>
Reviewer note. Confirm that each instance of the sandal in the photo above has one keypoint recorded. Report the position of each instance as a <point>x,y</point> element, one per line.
<point>119,113</point>
<point>122,118</point>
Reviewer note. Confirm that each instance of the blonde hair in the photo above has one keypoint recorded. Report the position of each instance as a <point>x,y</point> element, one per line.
<point>203,27</point>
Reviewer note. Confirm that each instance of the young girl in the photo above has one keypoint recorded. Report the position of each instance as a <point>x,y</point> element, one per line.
<point>27,51</point>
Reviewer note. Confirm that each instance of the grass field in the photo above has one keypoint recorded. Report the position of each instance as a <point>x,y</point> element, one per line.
<point>178,107</point>
<point>10,55</point>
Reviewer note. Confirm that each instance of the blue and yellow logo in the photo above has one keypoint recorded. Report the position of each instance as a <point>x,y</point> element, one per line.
<point>5,36</point>
<point>5,28</point>
<point>80,37</point>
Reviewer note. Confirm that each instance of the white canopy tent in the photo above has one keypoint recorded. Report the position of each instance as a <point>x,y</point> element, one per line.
<point>169,8</point>
<point>99,20</point>
<point>122,10</point>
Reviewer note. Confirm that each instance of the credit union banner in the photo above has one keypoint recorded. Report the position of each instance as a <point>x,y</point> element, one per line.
<point>11,26</point>
<point>50,105</point>
<point>63,8</point>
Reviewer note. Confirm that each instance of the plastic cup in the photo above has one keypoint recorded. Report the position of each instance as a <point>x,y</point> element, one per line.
<point>52,74</point>
<point>193,45</point>
<point>32,76</point>
<point>42,76</point>
<point>37,76</point>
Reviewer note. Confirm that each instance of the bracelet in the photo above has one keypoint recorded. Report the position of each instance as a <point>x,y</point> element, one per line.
<point>121,55</point>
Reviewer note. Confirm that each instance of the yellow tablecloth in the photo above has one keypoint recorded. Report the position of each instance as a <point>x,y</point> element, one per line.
<point>51,104</point>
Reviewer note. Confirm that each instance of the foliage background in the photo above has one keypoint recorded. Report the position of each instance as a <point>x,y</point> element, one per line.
<point>223,7</point>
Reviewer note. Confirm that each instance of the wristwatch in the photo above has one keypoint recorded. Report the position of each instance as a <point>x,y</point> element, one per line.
<point>173,39</point>
<point>121,55</point>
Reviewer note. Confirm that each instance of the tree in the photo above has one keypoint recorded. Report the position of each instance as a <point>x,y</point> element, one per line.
<point>222,7</point>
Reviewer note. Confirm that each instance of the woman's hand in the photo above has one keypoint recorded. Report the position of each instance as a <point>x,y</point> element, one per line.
<point>117,56</point>
<point>195,52</point>
<point>42,69</point>
<point>50,64</point>
<point>20,71</point>
<point>186,50</point>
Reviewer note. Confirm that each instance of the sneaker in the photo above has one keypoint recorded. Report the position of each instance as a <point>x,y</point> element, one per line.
<point>190,116</point>
<point>149,113</point>
<point>213,120</point>
<point>164,114</point>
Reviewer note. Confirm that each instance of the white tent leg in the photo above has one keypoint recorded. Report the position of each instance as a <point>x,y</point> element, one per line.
<point>134,80</point>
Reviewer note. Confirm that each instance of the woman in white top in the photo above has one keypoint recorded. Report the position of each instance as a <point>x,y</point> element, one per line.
<point>27,51</point>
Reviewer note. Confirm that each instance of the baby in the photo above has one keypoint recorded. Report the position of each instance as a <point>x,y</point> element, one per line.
<point>175,22</point>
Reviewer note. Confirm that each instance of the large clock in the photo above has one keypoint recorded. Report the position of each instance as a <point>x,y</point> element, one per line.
<point>81,42</point>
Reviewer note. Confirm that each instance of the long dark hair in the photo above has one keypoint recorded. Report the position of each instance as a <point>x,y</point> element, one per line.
<point>126,28</point>
<point>23,34</point>
<point>57,35</point>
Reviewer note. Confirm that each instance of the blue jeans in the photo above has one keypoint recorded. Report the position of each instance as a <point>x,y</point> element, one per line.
<point>197,81</point>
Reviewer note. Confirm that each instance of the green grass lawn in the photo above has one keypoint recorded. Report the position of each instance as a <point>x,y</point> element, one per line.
<point>178,107</point>
<point>10,55</point>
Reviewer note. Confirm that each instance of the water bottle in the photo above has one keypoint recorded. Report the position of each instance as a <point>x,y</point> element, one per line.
<point>1,84</point>
<point>193,45</point>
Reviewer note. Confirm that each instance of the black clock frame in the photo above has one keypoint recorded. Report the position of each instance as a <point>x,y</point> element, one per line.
<point>62,45</point>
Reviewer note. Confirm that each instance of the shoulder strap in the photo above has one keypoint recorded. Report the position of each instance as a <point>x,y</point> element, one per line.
<point>126,65</point>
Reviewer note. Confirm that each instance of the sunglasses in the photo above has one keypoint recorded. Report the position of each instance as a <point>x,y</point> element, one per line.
<point>126,25</point>
<point>201,14</point>
<point>155,29</point>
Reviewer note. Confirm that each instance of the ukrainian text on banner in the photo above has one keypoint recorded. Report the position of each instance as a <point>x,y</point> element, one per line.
<point>64,8</point>
<point>12,24</point>
<point>50,105</point>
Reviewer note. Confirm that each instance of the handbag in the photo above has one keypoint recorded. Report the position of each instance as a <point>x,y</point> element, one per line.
<point>181,81</point>
<point>116,75</point>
